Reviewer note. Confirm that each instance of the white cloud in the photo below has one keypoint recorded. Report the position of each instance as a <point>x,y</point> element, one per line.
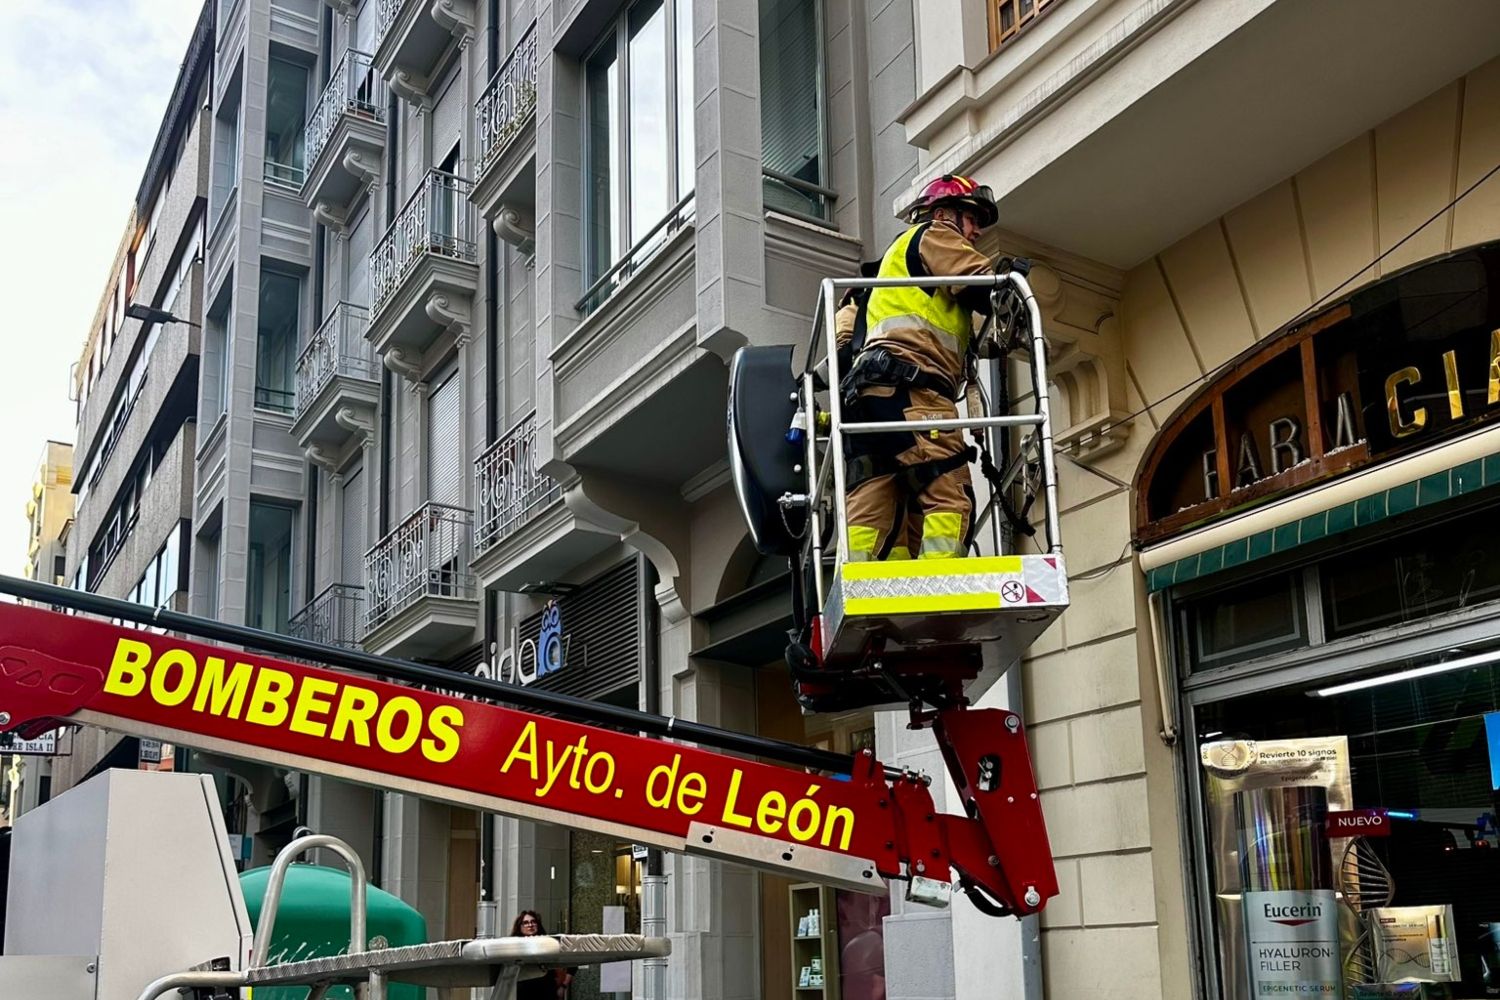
<point>83,86</point>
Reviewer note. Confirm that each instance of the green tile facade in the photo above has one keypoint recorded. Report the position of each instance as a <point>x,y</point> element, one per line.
<point>1458,481</point>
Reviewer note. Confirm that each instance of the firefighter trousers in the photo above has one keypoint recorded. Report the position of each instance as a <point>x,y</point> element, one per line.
<point>886,519</point>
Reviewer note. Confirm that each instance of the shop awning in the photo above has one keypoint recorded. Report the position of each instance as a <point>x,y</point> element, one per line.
<point>1457,468</point>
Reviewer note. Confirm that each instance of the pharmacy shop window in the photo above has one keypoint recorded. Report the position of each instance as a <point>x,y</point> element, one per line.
<point>1405,751</point>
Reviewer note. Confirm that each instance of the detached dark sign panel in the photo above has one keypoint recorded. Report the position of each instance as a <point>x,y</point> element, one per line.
<point>1411,360</point>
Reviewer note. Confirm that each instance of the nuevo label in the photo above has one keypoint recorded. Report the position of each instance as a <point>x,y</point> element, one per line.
<point>1359,823</point>
<point>1292,936</point>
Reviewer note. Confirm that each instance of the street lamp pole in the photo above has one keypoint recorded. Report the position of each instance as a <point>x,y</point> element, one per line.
<point>149,314</point>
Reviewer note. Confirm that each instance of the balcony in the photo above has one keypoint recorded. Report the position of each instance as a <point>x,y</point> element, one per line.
<point>345,138</point>
<point>423,276</point>
<point>420,597</point>
<point>1112,131</point>
<point>335,617</point>
<point>505,172</point>
<point>525,531</point>
<point>413,36</point>
<point>338,384</point>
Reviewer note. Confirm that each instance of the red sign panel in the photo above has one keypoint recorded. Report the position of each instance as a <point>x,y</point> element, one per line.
<point>480,754</point>
<point>1359,823</point>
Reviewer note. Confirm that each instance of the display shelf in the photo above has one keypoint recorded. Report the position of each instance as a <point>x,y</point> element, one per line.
<point>817,952</point>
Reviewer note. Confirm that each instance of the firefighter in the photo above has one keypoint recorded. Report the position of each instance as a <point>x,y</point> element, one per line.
<point>911,366</point>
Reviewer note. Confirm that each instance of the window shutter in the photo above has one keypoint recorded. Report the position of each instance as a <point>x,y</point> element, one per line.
<point>601,635</point>
<point>789,88</point>
<point>361,242</point>
<point>445,464</point>
<point>448,119</point>
<point>352,561</point>
<point>364,27</point>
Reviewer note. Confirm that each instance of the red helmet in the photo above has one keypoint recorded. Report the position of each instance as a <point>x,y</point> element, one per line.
<point>959,192</point>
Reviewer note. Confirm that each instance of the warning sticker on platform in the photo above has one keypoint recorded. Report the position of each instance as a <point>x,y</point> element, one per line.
<point>1292,936</point>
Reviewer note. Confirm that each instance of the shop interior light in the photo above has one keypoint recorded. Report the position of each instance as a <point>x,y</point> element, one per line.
<point>1477,659</point>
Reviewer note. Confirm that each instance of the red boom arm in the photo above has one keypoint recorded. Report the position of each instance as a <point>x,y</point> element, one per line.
<point>850,832</point>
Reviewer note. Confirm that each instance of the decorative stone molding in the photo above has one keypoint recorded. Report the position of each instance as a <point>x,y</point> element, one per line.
<point>362,165</point>
<point>450,313</point>
<point>413,88</point>
<point>330,215</point>
<point>357,420</point>
<point>516,226</point>
<point>591,514</point>
<point>457,16</point>
<point>406,363</point>
<point>1090,413</point>
<point>344,8</point>
<point>324,458</point>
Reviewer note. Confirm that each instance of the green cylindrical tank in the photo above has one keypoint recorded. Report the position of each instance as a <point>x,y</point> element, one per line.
<point>313,922</point>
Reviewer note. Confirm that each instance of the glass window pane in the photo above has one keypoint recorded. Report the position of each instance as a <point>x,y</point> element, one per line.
<point>147,587</point>
<point>791,121</point>
<point>1440,568</point>
<point>268,576</point>
<point>168,562</point>
<point>286,121</point>
<point>649,178</point>
<point>603,192</point>
<point>1245,622</point>
<point>686,158</point>
<point>276,341</point>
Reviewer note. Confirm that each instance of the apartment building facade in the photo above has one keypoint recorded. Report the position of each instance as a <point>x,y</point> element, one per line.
<point>49,514</point>
<point>1264,233</point>
<point>135,388</point>
<point>474,273</point>
<point>49,520</point>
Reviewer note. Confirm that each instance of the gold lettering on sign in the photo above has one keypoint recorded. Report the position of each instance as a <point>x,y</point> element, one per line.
<point>1283,433</point>
<point>1455,391</point>
<point>1400,426</point>
<point>1494,394</point>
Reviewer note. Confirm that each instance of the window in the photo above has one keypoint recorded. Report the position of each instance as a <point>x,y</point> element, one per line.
<point>226,166</point>
<point>161,578</point>
<point>286,121</point>
<point>791,108</point>
<point>215,364</point>
<point>1009,16</point>
<point>1246,621</point>
<point>154,219</point>
<point>191,254</point>
<point>276,341</point>
<point>268,576</point>
<point>638,132</point>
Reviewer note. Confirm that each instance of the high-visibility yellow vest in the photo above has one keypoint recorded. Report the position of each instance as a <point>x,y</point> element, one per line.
<point>930,310</point>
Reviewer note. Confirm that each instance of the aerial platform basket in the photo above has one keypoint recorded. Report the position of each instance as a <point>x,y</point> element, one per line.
<point>877,632</point>
<point>1006,600</point>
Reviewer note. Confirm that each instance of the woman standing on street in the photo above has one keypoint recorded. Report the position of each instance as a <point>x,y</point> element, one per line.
<point>554,984</point>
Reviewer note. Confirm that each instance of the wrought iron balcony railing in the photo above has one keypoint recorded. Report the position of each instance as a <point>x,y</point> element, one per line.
<point>507,102</point>
<point>336,616</point>
<point>338,348</point>
<point>351,90</point>
<point>437,219</point>
<point>386,13</point>
<point>428,555</point>
<point>511,490</point>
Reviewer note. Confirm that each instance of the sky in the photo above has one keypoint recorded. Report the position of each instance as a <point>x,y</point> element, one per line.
<point>83,86</point>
